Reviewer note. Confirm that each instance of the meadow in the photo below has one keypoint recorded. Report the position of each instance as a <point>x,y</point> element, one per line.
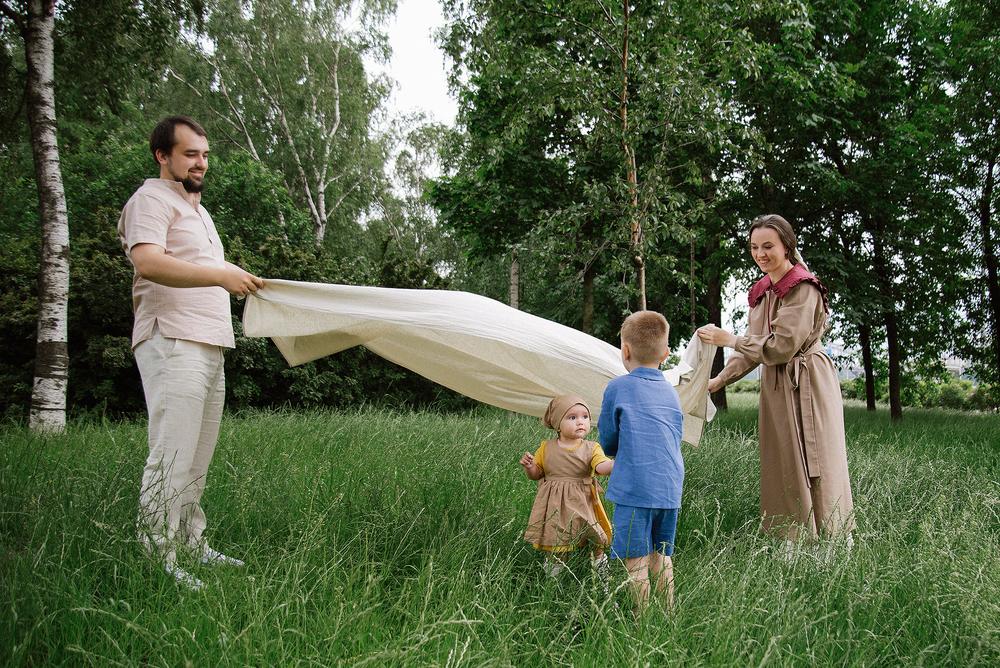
<point>379,537</point>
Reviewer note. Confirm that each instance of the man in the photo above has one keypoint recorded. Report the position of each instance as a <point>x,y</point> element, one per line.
<point>182,325</point>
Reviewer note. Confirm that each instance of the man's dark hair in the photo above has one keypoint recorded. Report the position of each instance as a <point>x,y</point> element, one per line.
<point>163,139</point>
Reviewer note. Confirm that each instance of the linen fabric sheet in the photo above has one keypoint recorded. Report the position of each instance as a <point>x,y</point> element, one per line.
<point>474,345</point>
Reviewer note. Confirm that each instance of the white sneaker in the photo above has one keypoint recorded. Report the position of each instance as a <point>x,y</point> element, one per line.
<point>786,551</point>
<point>213,557</point>
<point>182,576</point>
<point>552,567</point>
<point>601,565</point>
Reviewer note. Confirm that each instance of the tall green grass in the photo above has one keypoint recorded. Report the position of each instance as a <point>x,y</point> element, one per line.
<point>382,538</point>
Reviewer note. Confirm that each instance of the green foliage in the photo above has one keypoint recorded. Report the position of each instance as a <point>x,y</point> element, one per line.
<point>922,392</point>
<point>854,101</point>
<point>972,35</point>
<point>122,65</point>
<point>542,168</point>
<point>380,537</point>
<point>745,387</point>
<point>262,230</point>
<point>288,84</point>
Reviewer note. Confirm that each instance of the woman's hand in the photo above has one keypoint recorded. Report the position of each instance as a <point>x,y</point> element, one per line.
<point>717,336</point>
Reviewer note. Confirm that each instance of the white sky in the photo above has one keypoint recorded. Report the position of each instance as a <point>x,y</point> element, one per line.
<point>418,65</point>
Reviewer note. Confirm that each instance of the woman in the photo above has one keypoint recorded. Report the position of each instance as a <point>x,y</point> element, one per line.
<point>805,490</point>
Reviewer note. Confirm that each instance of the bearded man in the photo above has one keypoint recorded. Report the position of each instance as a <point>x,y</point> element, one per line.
<point>180,296</point>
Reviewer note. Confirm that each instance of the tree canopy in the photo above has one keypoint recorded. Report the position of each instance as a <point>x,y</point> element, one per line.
<point>606,156</point>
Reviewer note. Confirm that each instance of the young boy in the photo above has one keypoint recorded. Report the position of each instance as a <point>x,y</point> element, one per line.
<point>641,425</point>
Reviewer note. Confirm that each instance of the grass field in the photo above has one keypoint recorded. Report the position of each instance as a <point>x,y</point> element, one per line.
<point>391,538</point>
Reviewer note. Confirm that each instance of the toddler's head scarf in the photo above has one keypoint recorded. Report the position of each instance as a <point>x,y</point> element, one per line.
<point>558,408</point>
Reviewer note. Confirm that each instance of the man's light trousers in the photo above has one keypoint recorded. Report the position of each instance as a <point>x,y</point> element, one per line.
<point>184,383</point>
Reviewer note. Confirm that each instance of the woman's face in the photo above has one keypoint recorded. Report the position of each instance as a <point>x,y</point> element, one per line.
<point>767,250</point>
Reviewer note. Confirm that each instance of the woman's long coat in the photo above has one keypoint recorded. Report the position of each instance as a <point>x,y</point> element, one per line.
<point>804,481</point>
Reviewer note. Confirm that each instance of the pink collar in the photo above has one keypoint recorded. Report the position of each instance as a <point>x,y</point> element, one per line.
<point>797,274</point>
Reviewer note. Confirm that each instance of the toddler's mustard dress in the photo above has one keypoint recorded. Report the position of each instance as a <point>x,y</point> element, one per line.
<point>568,513</point>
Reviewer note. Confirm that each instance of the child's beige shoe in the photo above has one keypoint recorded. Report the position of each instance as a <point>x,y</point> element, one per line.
<point>552,567</point>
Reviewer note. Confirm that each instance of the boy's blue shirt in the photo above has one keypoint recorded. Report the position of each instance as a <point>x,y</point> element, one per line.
<point>640,426</point>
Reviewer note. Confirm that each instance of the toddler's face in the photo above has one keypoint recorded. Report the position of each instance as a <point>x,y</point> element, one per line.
<point>576,423</point>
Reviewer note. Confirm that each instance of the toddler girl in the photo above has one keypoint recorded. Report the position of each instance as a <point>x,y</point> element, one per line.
<point>567,513</point>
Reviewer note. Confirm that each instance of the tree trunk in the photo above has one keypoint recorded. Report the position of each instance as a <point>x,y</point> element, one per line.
<point>714,299</point>
<point>865,338</point>
<point>892,340</point>
<point>990,260</point>
<point>515,279</point>
<point>889,318</point>
<point>632,177</point>
<point>587,324</point>
<point>48,398</point>
<point>691,295</point>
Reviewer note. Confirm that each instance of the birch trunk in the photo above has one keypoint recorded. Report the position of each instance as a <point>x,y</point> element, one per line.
<point>48,398</point>
<point>515,280</point>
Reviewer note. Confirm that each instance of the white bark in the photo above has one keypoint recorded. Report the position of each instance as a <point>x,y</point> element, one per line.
<point>48,400</point>
<point>515,280</point>
<point>314,189</point>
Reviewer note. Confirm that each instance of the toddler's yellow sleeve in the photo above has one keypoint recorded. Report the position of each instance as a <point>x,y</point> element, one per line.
<point>596,457</point>
<point>540,457</point>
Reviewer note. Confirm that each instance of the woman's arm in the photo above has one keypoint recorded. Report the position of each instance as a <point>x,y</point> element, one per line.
<point>793,322</point>
<point>736,367</point>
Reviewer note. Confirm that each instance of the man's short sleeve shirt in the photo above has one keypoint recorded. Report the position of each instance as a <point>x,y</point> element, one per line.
<point>159,213</point>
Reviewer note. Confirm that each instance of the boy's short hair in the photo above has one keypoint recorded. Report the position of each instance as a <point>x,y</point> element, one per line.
<point>647,334</point>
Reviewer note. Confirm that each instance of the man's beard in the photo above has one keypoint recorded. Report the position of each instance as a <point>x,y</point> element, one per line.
<point>192,186</point>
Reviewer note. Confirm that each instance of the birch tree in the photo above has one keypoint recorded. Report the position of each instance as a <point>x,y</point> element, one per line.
<point>35,19</point>
<point>289,85</point>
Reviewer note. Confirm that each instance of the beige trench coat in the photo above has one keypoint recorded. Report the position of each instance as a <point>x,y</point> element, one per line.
<point>804,483</point>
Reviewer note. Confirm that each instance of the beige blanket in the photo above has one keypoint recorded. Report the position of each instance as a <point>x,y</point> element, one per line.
<point>474,345</point>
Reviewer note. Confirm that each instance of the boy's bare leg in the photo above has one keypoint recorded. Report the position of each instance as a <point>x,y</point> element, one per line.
<point>638,574</point>
<point>661,570</point>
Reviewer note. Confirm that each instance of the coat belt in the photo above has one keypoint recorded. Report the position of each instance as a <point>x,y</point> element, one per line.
<point>798,375</point>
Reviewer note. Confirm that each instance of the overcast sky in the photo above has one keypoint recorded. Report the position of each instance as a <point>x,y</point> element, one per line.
<point>418,66</point>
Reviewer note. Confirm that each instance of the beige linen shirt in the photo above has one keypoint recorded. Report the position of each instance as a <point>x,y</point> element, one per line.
<point>159,213</point>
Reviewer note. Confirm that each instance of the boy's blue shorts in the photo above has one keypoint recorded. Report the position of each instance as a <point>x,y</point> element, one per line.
<point>641,531</point>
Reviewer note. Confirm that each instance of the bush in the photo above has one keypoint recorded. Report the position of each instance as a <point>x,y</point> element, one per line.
<point>744,387</point>
<point>944,392</point>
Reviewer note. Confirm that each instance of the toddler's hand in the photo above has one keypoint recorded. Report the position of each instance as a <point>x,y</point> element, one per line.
<point>527,460</point>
